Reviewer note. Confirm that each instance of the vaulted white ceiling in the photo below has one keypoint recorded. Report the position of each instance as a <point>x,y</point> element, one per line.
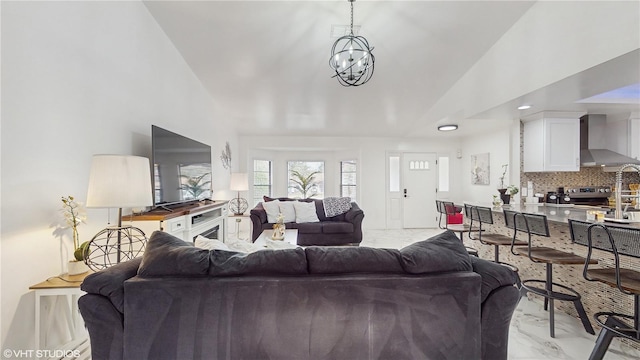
<point>266,65</point>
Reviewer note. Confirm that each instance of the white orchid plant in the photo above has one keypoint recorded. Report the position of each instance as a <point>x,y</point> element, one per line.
<point>74,215</point>
<point>511,189</point>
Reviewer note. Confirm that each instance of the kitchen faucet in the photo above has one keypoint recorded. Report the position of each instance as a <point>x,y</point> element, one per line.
<point>618,214</point>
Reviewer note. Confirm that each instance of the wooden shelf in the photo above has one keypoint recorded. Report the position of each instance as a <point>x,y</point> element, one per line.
<point>160,214</point>
<point>61,281</point>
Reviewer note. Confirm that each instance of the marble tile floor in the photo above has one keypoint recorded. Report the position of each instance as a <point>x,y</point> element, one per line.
<point>529,332</point>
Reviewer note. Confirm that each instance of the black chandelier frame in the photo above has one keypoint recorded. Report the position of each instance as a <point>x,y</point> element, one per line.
<point>352,58</point>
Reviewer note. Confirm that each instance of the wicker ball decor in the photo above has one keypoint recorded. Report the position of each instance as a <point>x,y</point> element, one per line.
<point>238,205</point>
<point>113,245</point>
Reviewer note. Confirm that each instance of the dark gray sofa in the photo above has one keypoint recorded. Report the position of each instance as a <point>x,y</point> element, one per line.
<point>344,229</point>
<point>429,300</point>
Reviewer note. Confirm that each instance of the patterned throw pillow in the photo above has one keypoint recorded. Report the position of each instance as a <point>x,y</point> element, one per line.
<point>334,206</point>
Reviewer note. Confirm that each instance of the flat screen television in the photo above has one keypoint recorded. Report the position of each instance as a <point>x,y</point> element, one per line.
<point>181,168</point>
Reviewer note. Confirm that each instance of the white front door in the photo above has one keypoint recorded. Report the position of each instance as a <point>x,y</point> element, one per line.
<point>419,180</point>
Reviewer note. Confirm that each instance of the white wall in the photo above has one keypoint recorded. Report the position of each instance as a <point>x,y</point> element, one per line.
<point>498,145</point>
<point>550,42</point>
<point>371,156</point>
<point>616,134</point>
<point>80,78</point>
<point>634,133</point>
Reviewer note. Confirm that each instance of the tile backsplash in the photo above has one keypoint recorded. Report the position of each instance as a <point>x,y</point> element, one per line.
<point>544,182</point>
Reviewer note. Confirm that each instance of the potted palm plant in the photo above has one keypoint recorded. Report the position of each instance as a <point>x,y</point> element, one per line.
<point>305,184</point>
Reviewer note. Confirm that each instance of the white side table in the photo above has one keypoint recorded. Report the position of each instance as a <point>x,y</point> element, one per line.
<point>66,288</point>
<point>238,219</point>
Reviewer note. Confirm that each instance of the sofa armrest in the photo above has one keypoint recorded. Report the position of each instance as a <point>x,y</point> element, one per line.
<point>496,313</point>
<point>493,275</point>
<point>500,296</point>
<point>110,282</point>
<point>258,216</point>
<point>105,325</point>
<point>355,215</point>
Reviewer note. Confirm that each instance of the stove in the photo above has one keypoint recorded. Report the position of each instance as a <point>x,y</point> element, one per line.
<point>589,195</point>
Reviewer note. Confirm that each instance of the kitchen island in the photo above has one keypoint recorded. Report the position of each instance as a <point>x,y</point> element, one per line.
<point>559,214</point>
<point>596,297</point>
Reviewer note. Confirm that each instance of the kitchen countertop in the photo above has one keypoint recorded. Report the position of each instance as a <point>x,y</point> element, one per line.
<point>558,214</point>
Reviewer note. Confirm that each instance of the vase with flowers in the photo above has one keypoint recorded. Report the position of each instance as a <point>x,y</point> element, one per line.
<point>506,191</point>
<point>74,215</point>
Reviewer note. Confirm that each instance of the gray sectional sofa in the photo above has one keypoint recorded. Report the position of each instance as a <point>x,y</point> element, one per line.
<point>344,229</point>
<point>429,300</point>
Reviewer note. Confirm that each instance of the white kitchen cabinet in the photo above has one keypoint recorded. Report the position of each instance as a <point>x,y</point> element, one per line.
<point>551,142</point>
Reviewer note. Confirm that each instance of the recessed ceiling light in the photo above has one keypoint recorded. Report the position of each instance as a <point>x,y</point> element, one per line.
<point>450,127</point>
<point>524,107</point>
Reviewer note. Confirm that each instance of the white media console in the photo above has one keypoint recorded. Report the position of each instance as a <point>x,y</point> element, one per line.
<point>206,218</point>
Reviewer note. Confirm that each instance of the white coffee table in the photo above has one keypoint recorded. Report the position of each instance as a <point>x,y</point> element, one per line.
<point>290,237</point>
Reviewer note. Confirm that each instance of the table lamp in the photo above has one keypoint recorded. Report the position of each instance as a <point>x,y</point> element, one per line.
<point>117,181</point>
<point>239,182</point>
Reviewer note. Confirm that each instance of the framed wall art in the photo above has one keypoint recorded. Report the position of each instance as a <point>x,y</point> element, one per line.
<point>480,174</point>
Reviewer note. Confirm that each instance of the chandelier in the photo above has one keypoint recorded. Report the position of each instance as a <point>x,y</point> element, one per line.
<point>351,58</point>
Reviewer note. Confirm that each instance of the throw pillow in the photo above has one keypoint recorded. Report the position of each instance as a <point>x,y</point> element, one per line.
<point>440,253</point>
<point>305,212</point>
<point>288,211</point>
<point>243,246</point>
<point>273,210</point>
<point>167,255</point>
<point>266,198</point>
<point>210,244</point>
<point>334,206</point>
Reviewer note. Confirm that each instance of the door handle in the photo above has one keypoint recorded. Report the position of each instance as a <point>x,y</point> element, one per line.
<point>405,192</point>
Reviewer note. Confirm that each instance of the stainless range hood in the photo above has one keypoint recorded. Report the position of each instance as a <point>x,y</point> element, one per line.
<point>592,151</point>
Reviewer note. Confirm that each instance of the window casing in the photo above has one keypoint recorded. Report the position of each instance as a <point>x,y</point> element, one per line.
<point>348,179</point>
<point>394,173</point>
<point>261,180</point>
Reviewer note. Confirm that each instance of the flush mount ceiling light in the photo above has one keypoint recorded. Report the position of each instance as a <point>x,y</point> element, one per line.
<point>450,127</point>
<point>351,58</point>
<point>524,107</point>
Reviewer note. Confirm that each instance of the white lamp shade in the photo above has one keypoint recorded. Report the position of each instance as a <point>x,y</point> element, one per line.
<point>119,181</point>
<point>239,182</point>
